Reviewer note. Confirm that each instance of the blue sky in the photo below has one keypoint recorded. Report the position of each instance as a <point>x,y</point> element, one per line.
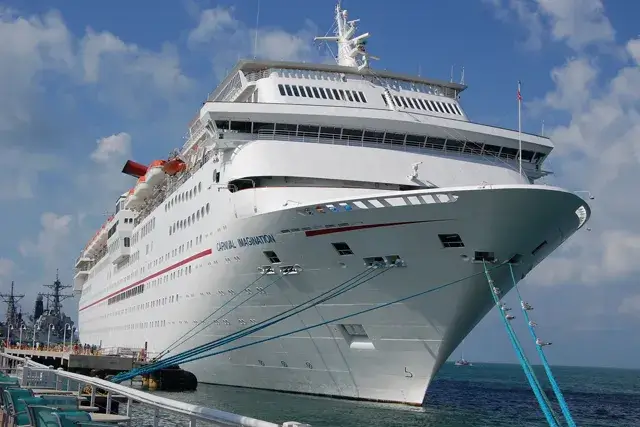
<point>86,85</point>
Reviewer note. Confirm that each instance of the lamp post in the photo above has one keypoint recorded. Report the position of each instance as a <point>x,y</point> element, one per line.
<point>51,327</point>
<point>73,333</point>
<point>22,328</point>
<point>9,329</point>
<point>34,335</point>
<point>67,327</point>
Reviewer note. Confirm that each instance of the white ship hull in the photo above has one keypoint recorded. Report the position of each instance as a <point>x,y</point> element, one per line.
<point>407,342</point>
<point>318,171</point>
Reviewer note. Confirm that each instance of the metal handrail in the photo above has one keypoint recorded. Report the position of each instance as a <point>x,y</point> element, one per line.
<point>193,412</point>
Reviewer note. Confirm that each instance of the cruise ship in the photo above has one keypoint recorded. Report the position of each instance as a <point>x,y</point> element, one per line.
<point>297,177</point>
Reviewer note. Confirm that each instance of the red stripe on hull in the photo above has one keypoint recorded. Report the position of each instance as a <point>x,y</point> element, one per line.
<point>152,276</point>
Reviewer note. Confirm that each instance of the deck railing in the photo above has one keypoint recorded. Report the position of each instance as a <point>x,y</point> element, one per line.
<point>36,375</point>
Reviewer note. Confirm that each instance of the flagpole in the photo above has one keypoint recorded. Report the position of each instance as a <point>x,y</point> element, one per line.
<point>519,130</point>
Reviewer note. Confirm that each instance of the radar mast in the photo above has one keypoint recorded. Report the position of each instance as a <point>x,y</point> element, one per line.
<point>351,50</point>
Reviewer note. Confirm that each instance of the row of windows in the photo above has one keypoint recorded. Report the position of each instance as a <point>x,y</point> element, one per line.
<point>424,104</point>
<point>431,89</point>
<point>312,132</point>
<point>322,93</point>
<point>148,227</point>
<point>184,223</point>
<point>183,197</point>
<point>137,290</point>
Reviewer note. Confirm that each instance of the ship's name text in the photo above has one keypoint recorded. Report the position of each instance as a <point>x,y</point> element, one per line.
<point>242,242</point>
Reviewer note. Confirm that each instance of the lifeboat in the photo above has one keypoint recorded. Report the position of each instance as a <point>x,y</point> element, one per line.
<point>142,188</point>
<point>174,166</point>
<point>155,172</point>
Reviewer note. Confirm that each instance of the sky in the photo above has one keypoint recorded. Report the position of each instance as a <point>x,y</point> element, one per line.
<point>85,86</point>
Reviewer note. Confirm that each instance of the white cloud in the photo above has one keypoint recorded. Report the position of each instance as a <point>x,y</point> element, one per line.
<point>598,149</point>
<point>235,40</point>
<point>52,237</point>
<point>117,145</point>
<point>630,305</point>
<point>6,267</point>
<point>578,23</point>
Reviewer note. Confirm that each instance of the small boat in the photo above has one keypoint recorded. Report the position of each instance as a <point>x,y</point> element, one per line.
<point>463,362</point>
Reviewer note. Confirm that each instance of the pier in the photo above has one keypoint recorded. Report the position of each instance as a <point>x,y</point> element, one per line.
<point>79,363</point>
<point>137,406</point>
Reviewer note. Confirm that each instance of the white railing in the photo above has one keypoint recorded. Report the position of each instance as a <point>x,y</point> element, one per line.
<point>36,375</point>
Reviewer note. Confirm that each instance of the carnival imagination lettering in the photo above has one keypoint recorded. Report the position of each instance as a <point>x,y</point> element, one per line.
<point>242,242</point>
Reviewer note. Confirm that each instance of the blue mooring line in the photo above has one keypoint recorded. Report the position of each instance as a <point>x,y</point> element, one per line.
<point>526,367</point>
<point>556,389</point>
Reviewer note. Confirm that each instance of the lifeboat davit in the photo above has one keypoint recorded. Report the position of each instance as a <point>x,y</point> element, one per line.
<point>174,166</point>
<point>155,172</point>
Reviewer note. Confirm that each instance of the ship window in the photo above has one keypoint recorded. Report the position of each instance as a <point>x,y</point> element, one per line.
<point>302,92</point>
<point>454,145</point>
<point>538,248</point>
<point>404,102</point>
<point>309,91</point>
<point>362,97</point>
<point>288,89</point>
<point>527,155</point>
<point>491,149</point>
<point>315,92</point>
<point>352,134</point>
<point>481,256</point>
<point>222,124</point>
<point>394,138</point>
<point>446,107</point>
<point>295,90</point>
<point>243,127</point>
<point>436,143</point>
<point>322,94</point>
<point>329,132</point>
<point>342,96</point>
<point>508,153</point>
<point>415,140</point>
<point>451,240</point>
<point>263,127</point>
<point>371,136</point>
<point>348,92</point>
<point>308,130</point>
<point>285,129</point>
<point>281,89</point>
<point>207,208</point>
<point>342,248</point>
<point>272,257</point>
<point>127,242</point>
<point>355,96</point>
<point>457,109</point>
<point>384,98</point>
<point>336,95</point>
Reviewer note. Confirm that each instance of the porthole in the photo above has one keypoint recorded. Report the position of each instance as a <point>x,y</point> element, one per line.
<point>284,364</point>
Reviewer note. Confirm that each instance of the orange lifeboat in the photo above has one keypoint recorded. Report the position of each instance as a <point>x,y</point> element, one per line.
<point>174,166</point>
<point>155,172</point>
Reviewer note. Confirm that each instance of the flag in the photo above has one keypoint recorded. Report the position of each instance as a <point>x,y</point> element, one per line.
<point>519,94</point>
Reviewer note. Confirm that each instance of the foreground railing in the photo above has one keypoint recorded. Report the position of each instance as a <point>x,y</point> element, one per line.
<point>36,375</point>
